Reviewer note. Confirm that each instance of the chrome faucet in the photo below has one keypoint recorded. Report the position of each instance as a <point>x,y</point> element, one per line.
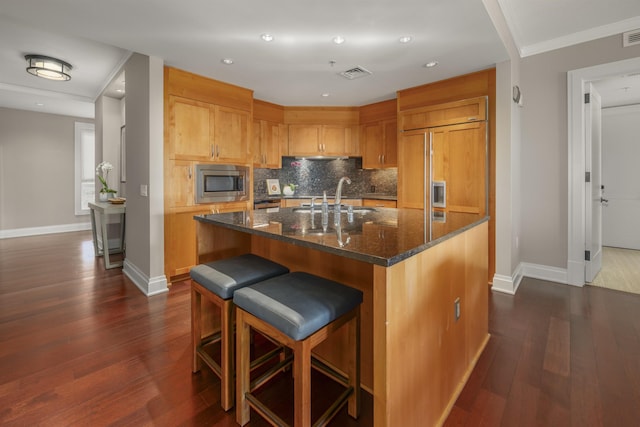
<point>338,198</point>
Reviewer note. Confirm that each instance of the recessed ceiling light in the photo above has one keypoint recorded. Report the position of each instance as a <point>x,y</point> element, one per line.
<point>431,64</point>
<point>39,104</point>
<point>266,37</point>
<point>338,39</point>
<point>325,95</point>
<point>405,39</point>
<point>227,61</point>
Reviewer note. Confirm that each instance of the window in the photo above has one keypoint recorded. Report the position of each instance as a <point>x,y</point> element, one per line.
<point>85,174</point>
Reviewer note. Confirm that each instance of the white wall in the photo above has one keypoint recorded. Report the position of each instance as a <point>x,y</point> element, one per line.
<point>144,263</point>
<point>621,176</point>
<point>544,155</point>
<point>37,173</point>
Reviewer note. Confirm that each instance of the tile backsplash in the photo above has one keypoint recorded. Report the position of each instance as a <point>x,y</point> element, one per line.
<point>311,177</point>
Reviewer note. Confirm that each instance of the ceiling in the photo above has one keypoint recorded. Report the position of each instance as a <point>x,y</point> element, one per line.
<point>301,63</point>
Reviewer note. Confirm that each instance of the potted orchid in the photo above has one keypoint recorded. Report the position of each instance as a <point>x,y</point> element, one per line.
<point>102,171</point>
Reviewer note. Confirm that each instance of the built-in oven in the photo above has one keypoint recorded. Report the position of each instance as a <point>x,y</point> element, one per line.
<point>221,183</point>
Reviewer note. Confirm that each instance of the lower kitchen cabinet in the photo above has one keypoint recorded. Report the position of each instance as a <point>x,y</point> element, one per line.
<point>180,249</point>
<point>377,203</point>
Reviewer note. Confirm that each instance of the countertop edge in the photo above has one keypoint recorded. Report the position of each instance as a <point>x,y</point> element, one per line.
<point>370,259</point>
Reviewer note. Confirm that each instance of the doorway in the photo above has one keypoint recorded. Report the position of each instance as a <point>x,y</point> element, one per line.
<point>578,203</point>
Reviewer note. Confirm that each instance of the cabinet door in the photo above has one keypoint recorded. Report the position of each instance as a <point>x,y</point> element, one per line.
<point>379,203</point>
<point>390,146</point>
<point>304,140</point>
<point>467,110</point>
<point>465,170</point>
<point>181,183</point>
<point>333,139</point>
<point>267,140</point>
<point>372,146</point>
<point>271,142</point>
<point>180,243</point>
<point>412,169</point>
<point>256,144</point>
<point>231,135</point>
<point>189,129</point>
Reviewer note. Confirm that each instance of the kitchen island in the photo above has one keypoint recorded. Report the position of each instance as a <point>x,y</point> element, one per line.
<point>424,315</point>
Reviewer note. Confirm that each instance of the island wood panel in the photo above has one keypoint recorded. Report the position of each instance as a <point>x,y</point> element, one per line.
<point>420,370</point>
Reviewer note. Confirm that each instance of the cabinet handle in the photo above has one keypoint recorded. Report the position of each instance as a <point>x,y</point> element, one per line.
<point>217,150</point>
<point>189,172</point>
<point>213,151</point>
<point>382,159</point>
<point>472,119</point>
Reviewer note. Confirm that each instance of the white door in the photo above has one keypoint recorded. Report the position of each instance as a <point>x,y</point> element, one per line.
<point>621,177</point>
<point>593,188</point>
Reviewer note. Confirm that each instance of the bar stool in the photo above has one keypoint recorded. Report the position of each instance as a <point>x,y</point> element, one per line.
<point>217,281</point>
<point>298,310</point>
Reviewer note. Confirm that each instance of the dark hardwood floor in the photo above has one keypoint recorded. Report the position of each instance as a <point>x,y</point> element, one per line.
<point>82,346</point>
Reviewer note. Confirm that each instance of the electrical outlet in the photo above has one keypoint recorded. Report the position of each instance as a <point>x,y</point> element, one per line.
<point>456,309</point>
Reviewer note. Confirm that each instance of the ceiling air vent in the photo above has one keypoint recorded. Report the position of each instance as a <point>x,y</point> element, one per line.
<point>355,73</point>
<point>631,38</point>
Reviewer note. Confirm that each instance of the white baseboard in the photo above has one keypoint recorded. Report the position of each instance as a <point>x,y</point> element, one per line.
<point>509,284</point>
<point>544,272</point>
<point>51,229</point>
<point>148,285</point>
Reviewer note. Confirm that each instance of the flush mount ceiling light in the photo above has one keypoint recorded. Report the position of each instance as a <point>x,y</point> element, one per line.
<point>48,68</point>
<point>338,39</point>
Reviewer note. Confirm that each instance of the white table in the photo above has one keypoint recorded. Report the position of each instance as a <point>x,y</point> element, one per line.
<point>103,209</point>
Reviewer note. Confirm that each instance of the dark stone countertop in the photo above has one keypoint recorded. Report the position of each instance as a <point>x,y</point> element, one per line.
<point>382,236</point>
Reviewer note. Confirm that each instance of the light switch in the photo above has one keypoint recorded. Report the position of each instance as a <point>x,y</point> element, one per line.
<point>144,190</point>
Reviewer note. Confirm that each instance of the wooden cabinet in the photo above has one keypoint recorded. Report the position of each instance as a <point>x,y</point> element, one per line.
<point>231,135</point>
<point>379,145</point>
<point>180,184</point>
<point>459,158</point>
<point>201,131</point>
<point>323,140</point>
<point>180,248</point>
<point>267,141</point>
<point>463,111</point>
<point>377,203</point>
<point>413,190</point>
<point>190,125</point>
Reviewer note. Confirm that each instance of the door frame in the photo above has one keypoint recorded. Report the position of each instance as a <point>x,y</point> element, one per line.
<point>576,80</point>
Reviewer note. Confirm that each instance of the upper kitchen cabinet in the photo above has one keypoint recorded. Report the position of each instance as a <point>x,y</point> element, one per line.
<point>230,142</point>
<point>379,135</point>
<point>189,129</point>
<point>269,134</point>
<point>206,119</point>
<point>319,131</point>
<point>467,110</point>
<point>201,131</point>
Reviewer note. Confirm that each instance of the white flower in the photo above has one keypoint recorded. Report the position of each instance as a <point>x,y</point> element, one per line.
<point>104,167</point>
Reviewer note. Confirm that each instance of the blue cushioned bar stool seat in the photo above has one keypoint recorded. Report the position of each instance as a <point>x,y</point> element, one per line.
<point>217,281</point>
<point>298,310</point>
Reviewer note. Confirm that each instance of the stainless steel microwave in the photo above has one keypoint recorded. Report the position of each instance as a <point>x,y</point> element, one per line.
<point>221,183</point>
